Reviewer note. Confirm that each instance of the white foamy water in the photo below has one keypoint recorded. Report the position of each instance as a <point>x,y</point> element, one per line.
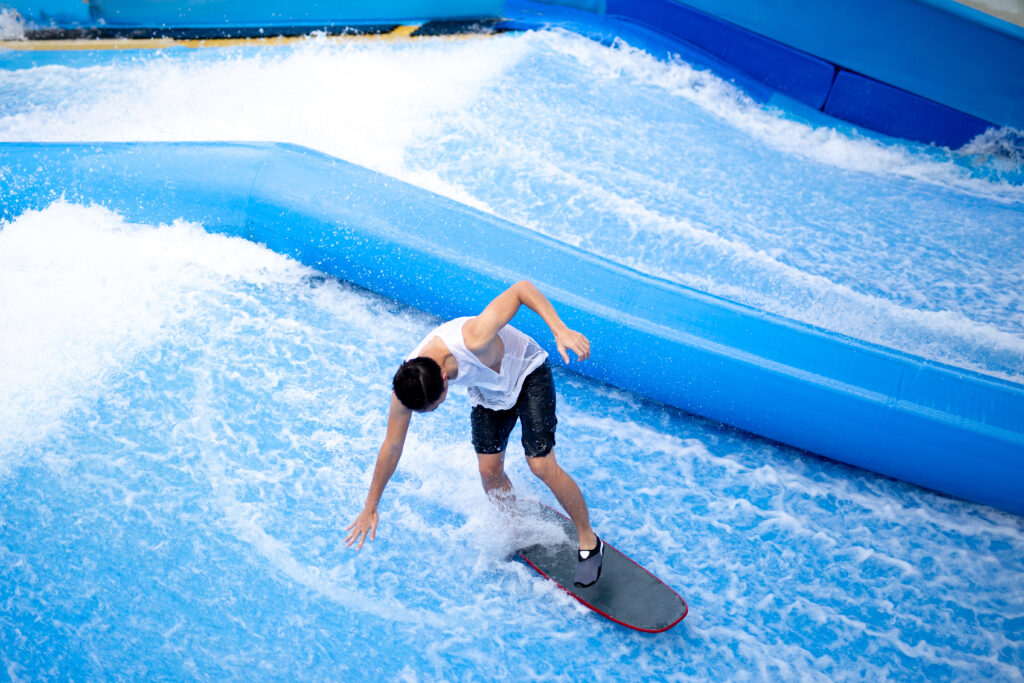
<point>365,103</point>
<point>182,515</point>
<point>83,293</point>
<point>659,166</point>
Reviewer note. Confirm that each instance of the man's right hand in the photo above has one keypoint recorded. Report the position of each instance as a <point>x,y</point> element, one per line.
<point>566,339</point>
<point>365,523</point>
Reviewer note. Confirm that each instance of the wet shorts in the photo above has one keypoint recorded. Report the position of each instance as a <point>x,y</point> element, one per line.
<point>535,409</point>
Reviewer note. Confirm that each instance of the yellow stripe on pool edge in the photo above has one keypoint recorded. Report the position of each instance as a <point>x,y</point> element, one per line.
<point>400,33</point>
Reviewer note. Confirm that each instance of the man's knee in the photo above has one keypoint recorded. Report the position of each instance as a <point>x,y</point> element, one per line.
<point>544,467</point>
<point>492,465</point>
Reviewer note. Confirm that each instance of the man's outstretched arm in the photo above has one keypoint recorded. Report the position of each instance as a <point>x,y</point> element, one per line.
<point>480,332</point>
<point>387,460</point>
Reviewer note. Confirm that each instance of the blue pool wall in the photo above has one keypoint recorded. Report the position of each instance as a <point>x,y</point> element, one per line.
<point>245,13</point>
<point>937,426</point>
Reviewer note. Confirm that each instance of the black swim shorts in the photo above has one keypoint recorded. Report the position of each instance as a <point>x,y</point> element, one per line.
<point>535,410</point>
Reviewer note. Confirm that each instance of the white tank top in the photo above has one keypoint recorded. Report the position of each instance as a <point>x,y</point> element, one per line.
<point>487,388</point>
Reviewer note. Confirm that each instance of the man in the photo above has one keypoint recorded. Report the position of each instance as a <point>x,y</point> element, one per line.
<point>507,377</point>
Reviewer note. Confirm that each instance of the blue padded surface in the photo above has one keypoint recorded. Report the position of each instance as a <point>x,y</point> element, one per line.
<point>940,50</point>
<point>866,102</point>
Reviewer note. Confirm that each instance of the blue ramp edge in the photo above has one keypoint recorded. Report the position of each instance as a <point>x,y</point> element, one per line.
<point>936,426</point>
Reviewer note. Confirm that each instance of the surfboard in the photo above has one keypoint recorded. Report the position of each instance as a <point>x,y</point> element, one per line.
<point>626,593</point>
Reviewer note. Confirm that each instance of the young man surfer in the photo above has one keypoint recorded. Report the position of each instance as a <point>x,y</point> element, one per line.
<point>506,375</point>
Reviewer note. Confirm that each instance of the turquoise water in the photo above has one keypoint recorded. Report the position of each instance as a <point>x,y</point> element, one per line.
<point>190,421</point>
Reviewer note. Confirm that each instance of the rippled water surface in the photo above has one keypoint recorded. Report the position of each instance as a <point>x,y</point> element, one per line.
<point>191,421</point>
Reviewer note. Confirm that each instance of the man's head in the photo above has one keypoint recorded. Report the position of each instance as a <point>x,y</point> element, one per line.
<point>420,385</point>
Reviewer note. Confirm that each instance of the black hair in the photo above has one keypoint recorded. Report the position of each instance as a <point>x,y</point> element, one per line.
<point>418,383</point>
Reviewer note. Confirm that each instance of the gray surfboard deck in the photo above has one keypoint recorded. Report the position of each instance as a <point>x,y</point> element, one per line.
<point>626,593</point>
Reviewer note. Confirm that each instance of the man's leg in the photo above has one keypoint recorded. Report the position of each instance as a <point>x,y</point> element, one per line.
<point>568,494</point>
<point>537,415</point>
<point>490,436</point>
<point>492,475</point>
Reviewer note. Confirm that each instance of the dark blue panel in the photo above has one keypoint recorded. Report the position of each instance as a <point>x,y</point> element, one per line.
<point>866,102</point>
<point>942,50</point>
<point>797,74</point>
